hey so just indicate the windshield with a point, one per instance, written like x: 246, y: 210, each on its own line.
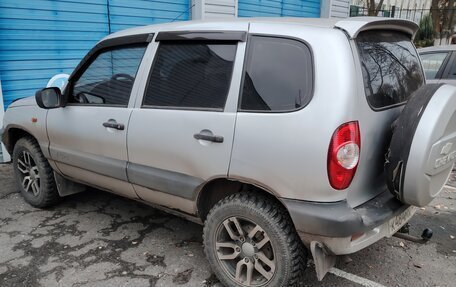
x: 391, y: 67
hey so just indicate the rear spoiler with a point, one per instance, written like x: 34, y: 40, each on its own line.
x: 355, y: 25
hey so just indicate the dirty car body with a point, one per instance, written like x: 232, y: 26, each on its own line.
x: 255, y: 109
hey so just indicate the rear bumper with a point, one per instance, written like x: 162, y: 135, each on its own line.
x: 333, y: 224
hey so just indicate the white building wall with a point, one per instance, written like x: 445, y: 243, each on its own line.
x: 335, y: 8
x: 340, y: 8
x: 214, y: 9
x: 4, y: 155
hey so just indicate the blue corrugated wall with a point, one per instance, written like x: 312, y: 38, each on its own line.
x: 281, y: 8
x: 41, y: 38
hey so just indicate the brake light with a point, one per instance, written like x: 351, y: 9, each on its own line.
x: 343, y: 155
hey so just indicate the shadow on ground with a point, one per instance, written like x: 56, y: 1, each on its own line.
x: 99, y: 239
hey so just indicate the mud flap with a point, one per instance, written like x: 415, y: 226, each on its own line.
x: 67, y: 187
x: 322, y: 259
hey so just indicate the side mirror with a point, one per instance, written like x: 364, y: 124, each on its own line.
x: 49, y: 98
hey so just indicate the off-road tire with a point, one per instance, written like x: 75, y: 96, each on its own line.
x: 275, y: 221
x: 48, y: 194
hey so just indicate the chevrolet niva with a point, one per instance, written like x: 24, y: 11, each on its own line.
x: 285, y: 137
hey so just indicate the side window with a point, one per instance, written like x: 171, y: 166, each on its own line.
x: 278, y: 75
x: 192, y: 75
x: 432, y: 63
x: 109, y: 78
x: 452, y: 69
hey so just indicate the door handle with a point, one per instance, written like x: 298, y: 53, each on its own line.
x: 114, y: 125
x: 206, y: 137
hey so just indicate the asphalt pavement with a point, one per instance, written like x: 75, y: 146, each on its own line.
x: 99, y: 239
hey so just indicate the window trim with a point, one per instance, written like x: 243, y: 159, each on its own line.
x: 176, y: 108
x: 358, y: 55
x: 244, y: 68
x: 239, y: 36
x: 441, y: 72
x: 103, y: 46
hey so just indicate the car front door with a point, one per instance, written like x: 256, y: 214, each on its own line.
x: 434, y: 65
x: 182, y: 132
x: 88, y: 136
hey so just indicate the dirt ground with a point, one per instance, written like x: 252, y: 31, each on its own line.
x: 99, y: 239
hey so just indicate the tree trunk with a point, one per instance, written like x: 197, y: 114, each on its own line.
x: 372, y: 9
x: 435, y: 14
x: 450, y: 17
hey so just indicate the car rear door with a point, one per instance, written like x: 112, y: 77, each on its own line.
x: 181, y: 134
x: 88, y: 137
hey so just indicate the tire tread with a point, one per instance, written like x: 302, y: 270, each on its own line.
x: 280, y: 217
x: 50, y: 193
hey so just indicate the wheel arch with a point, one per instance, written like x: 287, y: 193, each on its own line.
x: 12, y: 134
x: 216, y: 189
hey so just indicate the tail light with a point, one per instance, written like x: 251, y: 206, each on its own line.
x: 343, y: 155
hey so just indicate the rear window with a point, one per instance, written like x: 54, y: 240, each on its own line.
x: 390, y: 66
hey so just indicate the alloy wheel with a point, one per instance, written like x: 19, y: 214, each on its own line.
x: 28, y: 173
x: 245, y: 252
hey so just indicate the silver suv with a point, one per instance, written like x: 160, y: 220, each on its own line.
x: 281, y: 136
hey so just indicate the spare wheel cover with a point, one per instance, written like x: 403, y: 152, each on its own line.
x: 423, y: 146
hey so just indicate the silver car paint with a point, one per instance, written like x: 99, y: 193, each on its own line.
x: 19, y: 115
x: 434, y: 136
x: 79, y: 139
x: 260, y: 137
x: 353, y: 26
x: 163, y: 139
x: 375, y: 127
x: 297, y: 167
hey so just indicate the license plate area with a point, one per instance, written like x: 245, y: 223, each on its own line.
x: 398, y: 221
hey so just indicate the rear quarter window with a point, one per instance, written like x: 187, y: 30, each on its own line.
x: 278, y: 75
x: 390, y: 66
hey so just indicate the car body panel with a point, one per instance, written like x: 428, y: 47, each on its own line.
x: 268, y: 142
x: 164, y: 157
x: 25, y: 115
x: 79, y: 139
x: 158, y: 160
x: 355, y: 25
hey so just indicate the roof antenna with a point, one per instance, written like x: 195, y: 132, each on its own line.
x: 184, y: 12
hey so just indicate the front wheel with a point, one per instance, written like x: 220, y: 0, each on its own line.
x: 33, y: 174
x: 250, y: 240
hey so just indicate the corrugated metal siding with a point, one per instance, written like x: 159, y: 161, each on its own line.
x: 282, y: 8
x: 41, y: 38
x: 129, y: 13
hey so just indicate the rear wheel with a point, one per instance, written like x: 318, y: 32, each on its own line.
x: 251, y: 241
x: 33, y: 174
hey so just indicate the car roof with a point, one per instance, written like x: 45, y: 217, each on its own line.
x: 351, y: 26
x: 438, y: 49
